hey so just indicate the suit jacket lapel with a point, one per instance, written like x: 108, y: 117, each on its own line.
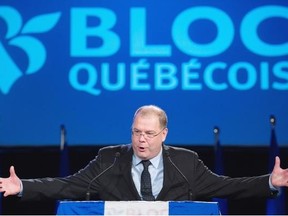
x: 168, y: 175
x: 125, y: 169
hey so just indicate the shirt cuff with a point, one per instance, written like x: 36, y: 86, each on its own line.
x: 272, y: 187
x: 21, y: 190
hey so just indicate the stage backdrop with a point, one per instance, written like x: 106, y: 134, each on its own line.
x: 89, y: 64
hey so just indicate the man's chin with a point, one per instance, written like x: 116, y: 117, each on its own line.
x: 143, y: 155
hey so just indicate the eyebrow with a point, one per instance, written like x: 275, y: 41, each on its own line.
x: 144, y: 131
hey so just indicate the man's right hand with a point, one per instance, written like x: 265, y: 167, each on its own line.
x: 10, y: 185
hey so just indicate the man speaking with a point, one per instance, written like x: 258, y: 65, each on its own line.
x: 146, y: 169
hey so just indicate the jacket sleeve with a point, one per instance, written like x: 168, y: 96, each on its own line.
x: 70, y: 187
x: 208, y: 184
x: 73, y: 187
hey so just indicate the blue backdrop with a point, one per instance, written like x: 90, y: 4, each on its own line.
x: 90, y: 64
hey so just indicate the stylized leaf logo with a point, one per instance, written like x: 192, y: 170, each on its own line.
x: 35, y: 50
x: 13, y: 20
x: 35, y: 25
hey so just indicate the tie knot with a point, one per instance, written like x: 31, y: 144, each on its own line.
x: 146, y: 163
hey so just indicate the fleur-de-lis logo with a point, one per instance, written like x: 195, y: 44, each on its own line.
x: 19, y: 35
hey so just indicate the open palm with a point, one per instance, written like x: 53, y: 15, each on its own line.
x: 279, y: 176
x: 10, y: 185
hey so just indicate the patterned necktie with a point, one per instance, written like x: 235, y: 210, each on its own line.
x: 146, y: 188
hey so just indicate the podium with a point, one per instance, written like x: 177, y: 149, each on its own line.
x: 137, y: 208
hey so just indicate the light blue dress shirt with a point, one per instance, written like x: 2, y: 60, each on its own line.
x: 155, y: 170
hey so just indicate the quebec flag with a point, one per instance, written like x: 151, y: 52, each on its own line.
x: 137, y: 208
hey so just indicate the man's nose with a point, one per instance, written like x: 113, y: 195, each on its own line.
x: 142, y: 137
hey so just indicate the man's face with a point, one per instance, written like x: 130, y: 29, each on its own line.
x: 147, y: 136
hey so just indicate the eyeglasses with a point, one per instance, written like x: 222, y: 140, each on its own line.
x: 146, y: 134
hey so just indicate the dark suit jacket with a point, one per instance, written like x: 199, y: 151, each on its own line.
x: 117, y: 184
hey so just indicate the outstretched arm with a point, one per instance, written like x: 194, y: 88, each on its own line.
x: 279, y: 176
x: 10, y: 185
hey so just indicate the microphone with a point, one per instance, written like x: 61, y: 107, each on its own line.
x: 117, y: 155
x: 190, y: 194
x: 62, y: 136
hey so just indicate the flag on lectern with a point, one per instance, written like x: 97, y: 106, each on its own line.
x: 219, y: 169
x: 274, y: 206
x: 64, y: 153
x: 137, y: 208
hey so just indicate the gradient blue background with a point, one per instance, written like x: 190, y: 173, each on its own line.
x: 36, y: 106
